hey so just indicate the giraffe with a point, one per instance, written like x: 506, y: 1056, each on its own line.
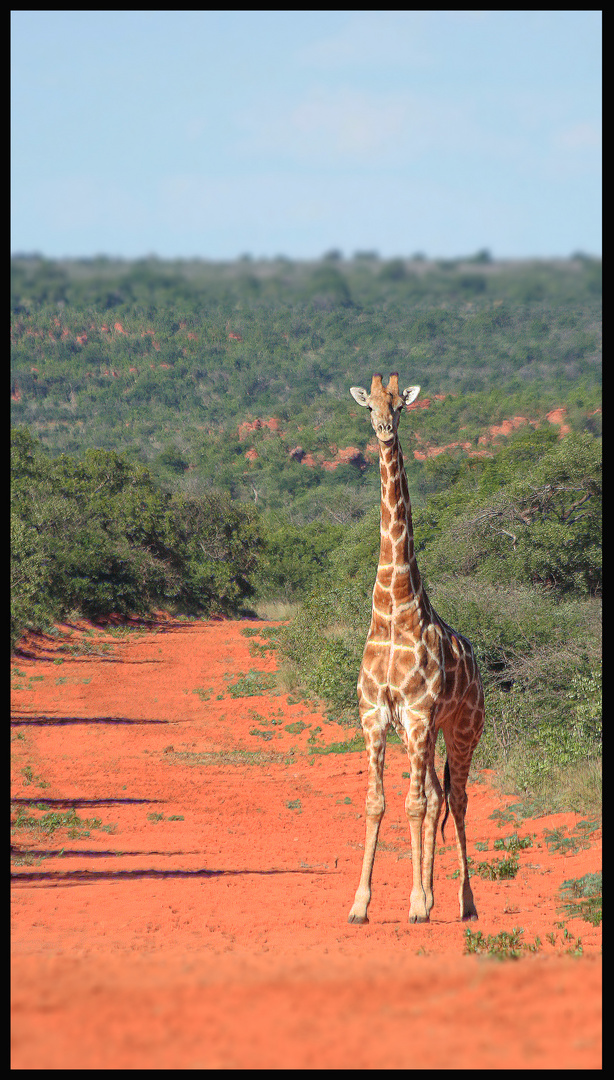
x: 417, y: 674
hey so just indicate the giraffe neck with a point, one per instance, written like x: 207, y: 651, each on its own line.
x: 398, y: 585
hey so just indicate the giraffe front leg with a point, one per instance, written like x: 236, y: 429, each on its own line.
x: 421, y: 896
x: 375, y: 742
x: 358, y: 911
x: 416, y: 810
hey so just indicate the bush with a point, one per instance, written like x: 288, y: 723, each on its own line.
x: 97, y: 537
x: 294, y: 559
x: 538, y: 522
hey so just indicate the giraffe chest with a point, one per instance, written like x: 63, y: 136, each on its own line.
x: 404, y: 669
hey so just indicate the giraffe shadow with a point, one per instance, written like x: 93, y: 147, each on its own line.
x: 40, y: 720
x: 86, y: 877
x: 35, y: 800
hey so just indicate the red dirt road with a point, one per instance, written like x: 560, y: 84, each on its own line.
x: 202, y: 922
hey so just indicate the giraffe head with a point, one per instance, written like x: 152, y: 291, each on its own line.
x: 385, y: 404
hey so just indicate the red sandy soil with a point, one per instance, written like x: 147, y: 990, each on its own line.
x: 207, y: 927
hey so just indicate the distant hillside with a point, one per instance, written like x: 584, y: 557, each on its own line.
x: 236, y: 375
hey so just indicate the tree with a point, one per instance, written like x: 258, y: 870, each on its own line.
x: 97, y: 536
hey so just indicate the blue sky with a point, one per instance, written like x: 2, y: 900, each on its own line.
x: 219, y: 133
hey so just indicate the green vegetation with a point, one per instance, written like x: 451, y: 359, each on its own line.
x: 513, y: 843
x: 584, y: 898
x: 250, y: 684
x: 164, y: 361
x: 579, y: 840
x: 509, y: 945
x: 97, y: 536
x: 498, y: 870
x: 52, y: 820
x: 505, y: 945
x: 184, y: 439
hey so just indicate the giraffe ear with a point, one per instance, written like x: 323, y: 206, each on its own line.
x: 410, y: 394
x: 359, y: 394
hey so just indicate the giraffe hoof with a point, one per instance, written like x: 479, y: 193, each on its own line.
x: 419, y: 918
x: 471, y: 917
x: 358, y: 919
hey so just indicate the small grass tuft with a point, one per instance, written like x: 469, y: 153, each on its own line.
x: 557, y: 841
x: 513, y: 843
x: 251, y: 684
x: 502, y: 946
x: 52, y: 820
x: 350, y: 747
x: 584, y: 898
x: 499, y: 870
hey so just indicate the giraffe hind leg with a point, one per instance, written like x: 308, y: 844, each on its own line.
x: 457, y: 767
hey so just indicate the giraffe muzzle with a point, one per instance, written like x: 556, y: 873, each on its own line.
x: 384, y: 430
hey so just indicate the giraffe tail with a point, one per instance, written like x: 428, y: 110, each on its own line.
x: 446, y: 795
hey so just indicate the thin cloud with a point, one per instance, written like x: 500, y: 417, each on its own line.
x: 579, y: 137
x: 347, y: 126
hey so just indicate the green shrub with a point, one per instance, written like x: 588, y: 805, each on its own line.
x: 96, y: 537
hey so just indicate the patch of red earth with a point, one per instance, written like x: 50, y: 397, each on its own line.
x: 207, y: 928
x: 349, y: 455
x: 434, y: 451
x: 303, y: 457
x: 557, y: 416
x: 273, y: 424
x: 506, y: 427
